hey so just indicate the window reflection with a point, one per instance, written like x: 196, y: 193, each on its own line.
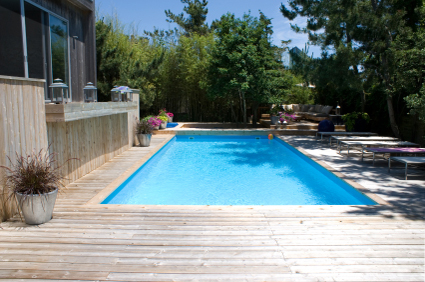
x: 59, y: 48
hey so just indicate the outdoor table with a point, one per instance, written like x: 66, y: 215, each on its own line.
x: 361, y: 138
x: 343, y: 133
x: 364, y: 144
x: 406, y: 161
x: 390, y: 151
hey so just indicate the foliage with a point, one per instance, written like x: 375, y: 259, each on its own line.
x: 243, y: 68
x: 276, y: 110
x: 144, y: 127
x: 125, y: 60
x: 195, y: 22
x: 351, y: 118
x: 409, y: 61
x: 285, y: 117
x: 163, y: 118
x: 360, y: 35
x: 34, y: 174
x: 153, y: 121
x: 416, y: 103
x: 163, y: 112
x: 175, y: 68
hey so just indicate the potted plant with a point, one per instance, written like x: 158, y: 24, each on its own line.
x: 275, y: 112
x: 356, y: 121
x: 144, y: 131
x: 164, y: 121
x: 284, y: 118
x: 153, y: 121
x: 34, y: 181
x: 170, y: 117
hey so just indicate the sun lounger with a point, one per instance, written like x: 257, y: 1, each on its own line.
x: 404, y: 151
x: 406, y: 161
x: 364, y: 144
x: 361, y: 138
x: 342, y: 133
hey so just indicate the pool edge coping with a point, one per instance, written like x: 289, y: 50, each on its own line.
x: 110, y: 188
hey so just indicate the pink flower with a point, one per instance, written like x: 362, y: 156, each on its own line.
x: 154, y: 122
x: 170, y: 114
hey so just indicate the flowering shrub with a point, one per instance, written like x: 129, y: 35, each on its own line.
x: 163, y: 112
x: 286, y: 117
x: 153, y: 121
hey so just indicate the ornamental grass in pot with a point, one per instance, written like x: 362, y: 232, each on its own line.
x: 34, y: 181
x: 144, y: 131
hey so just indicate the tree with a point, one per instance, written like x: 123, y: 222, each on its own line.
x: 409, y: 60
x: 197, y: 15
x: 243, y: 68
x: 363, y: 29
x: 126, y: 60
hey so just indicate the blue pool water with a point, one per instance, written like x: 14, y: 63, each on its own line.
x: 233, y: 170
x: 172, y: 124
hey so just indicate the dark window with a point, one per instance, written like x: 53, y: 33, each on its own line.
x: 11, y: 46
x: 35, y: 32
x: 59, y: 48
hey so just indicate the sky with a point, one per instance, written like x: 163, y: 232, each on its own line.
x: 147, y: 14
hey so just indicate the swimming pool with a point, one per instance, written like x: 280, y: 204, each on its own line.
x: 233, y: 170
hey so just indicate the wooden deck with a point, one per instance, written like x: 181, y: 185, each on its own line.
x: 211, y: 243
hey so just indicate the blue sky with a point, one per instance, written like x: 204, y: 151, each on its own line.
x: 147, y: 14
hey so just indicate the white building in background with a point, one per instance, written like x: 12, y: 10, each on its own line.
x: 287, y: 57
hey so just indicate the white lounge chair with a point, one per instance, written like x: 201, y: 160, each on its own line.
x: 407, y: 161
x: 400, y: 151
x: 342, y: 133
x: 361, y: 138
x: 364, y: 144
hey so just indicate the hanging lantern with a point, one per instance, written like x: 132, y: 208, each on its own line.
x: 90, y: 93
x: 115, y: 94
x: 60, y: 94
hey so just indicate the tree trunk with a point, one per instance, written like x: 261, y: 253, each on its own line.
x: 393, y: 123
x: 243, y: 105
x: 363, y: 100
x: 233, y: 113
x: 254, y: 113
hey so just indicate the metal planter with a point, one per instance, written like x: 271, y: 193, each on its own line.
x: 37, y: 209
x: 163, y: 125
x: 144, y: 139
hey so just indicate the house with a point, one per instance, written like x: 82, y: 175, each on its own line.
x: 44, y: 40
x: 287, y: 57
